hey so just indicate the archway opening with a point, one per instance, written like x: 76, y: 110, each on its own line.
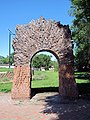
x: 44, y: 72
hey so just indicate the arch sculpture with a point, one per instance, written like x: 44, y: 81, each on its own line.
x: 43, y: 35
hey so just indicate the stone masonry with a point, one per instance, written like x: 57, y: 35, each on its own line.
x: 43, y: 35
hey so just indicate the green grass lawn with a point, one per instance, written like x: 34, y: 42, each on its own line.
x: 45, y: 79
x: 6, y: 69
x: 5, y: 87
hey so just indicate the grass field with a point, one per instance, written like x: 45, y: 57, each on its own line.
x: 5, y: 87
x: 45, y: 79
x: 6, y: 69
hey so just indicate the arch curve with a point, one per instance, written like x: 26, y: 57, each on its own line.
x: 46, y: 50
x: 43, y: 35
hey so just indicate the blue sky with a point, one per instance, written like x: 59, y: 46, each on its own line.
x: 13, y: 12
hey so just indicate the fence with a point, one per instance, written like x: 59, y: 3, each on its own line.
x: 6, y: 76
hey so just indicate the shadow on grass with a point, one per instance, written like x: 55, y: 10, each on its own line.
x: 73, y: 110
x: 84, y: 90
x: 85, y: 76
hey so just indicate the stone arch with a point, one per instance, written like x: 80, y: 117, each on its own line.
x: 37, y: 36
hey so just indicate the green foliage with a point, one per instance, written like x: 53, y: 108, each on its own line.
x: 55, y: 64
x: 82, y: 58
x: 80, y: 9
x: 1, y: 57
x: 12, y: 58
x: 5, y: 60
x: 41, y: 60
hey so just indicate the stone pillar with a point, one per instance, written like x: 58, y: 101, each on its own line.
x: 68, y: 88
x: 21, y: 82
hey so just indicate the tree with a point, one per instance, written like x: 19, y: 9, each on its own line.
x: 12, y: 58
x: 41, y: 60
x: 1, y: 59
x: 5, y: 60
x: 80, y: 28
x: 55, y: 64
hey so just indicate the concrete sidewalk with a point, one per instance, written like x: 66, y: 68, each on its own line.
x: 43, y: 106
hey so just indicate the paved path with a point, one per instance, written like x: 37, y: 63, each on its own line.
x: 43, y: 106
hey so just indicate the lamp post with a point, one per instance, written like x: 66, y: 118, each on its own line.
x: 10, y: 34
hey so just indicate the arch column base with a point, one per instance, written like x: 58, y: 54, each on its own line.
x: 21, y: 83
x: 68, y: 88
